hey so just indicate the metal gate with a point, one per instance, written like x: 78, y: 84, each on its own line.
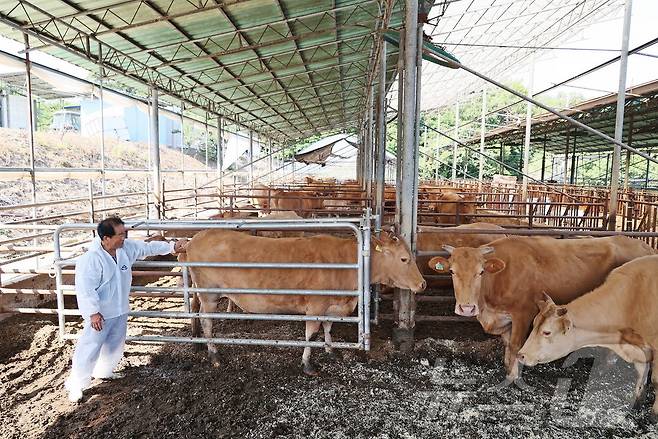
x: 359, y: 227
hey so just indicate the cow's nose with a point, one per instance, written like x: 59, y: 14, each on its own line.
x: 423, y: 285
x: 521, y: 358
x: 466, y: 310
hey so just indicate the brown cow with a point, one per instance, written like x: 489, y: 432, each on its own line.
x: 620, y: 315
x: 261, y: 197
x: 390, y: 263
x: 449, y: 206
x: 303, y: 203
x: 500, y: 282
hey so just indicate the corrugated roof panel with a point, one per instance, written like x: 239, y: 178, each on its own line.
x: 286, y: 70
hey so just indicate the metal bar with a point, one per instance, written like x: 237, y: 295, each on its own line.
x: 454, y: 144
x: 380, y: 166
x: 242, y: 341
x: 154, y: 129
x: 482, y: 130
x: 254, y: 291
x: 408, y: 193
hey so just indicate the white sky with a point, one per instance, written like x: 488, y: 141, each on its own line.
x: 554, y: 66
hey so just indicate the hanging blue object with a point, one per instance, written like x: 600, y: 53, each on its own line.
x: 430, y: 51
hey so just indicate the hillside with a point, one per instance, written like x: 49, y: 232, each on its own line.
x: 72, y: 150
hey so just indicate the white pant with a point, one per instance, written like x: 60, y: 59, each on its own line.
x: 97, y: 353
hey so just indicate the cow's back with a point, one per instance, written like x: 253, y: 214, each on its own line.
x: 563, y: 268
x: 230, y: 246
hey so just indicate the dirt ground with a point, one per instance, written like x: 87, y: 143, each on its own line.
x: 445, y: 388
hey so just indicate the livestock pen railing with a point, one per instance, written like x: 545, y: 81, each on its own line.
x: 360, y: 228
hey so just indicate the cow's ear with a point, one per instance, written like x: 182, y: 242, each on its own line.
x: 439, y: 264
x: 494, y: 265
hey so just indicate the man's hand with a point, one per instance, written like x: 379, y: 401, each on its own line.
x: 179, y: 246
x: 97, y: 321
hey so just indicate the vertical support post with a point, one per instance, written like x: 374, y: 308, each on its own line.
x: 438, y: 147
x: 400, y: 137
x: 371, y: 147
x: 565, y: 180
x: 220, y: 155
x: 572, y: 177
x: 528, y: 135
x: 90, y: 187
x: 155, y: 153
x: 270, y: 159
x: 482, y: 131
x: 147, y: 200
x: 205, y: 139
x: 619, y: 121
x: 380, y: 164
x: 196, y: 198
x: 30, y: 123
x: 359, y: 158
x: 182, y: 139
x: 251, y: 158
x: 646, y: 175
x: 454, y: 144
x: 403, y: 335
x: 628, y: 153
x: 101, y: 74
x: 543, y: 160
x: 163, y: 204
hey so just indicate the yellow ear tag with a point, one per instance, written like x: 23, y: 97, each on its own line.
x: 378, y: 248
x: 439, y: 266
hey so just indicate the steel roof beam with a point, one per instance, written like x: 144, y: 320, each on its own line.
x: 328, y: 104
x: 227, y: 50
x: 292, y: 76
x: 114, y: 60
x: 180, y: 30
x: 286, y: 105
x: 248, y: 40
x: 289, y: 55
x: 352, y: 79
x: 304, y: 61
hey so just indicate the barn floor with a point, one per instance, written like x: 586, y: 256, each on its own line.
x: 443, y: 389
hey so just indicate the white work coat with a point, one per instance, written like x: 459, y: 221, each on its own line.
x: 102, y: 285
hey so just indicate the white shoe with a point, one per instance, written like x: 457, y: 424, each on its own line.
x: 112, y: 376
x: 75, y: 395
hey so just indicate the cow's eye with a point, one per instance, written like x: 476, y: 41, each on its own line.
x: 481, y: 272
x: 546, y: 333
x: 404, y: 260
x: 452, y: 271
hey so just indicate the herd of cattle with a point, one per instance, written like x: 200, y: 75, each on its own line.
x: 545, y: 297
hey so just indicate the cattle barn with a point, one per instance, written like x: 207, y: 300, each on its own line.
x: 399, y: 218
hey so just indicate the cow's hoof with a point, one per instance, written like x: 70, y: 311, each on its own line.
x: 310, y: 370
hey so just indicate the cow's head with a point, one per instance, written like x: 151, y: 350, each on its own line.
x: 467, y: 266
x: 552, y: 335
x: 393, y: 264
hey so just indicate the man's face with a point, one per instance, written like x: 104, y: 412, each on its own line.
x: 116, y: 241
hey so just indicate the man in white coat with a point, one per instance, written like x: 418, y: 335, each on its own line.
x: 103, y: 277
